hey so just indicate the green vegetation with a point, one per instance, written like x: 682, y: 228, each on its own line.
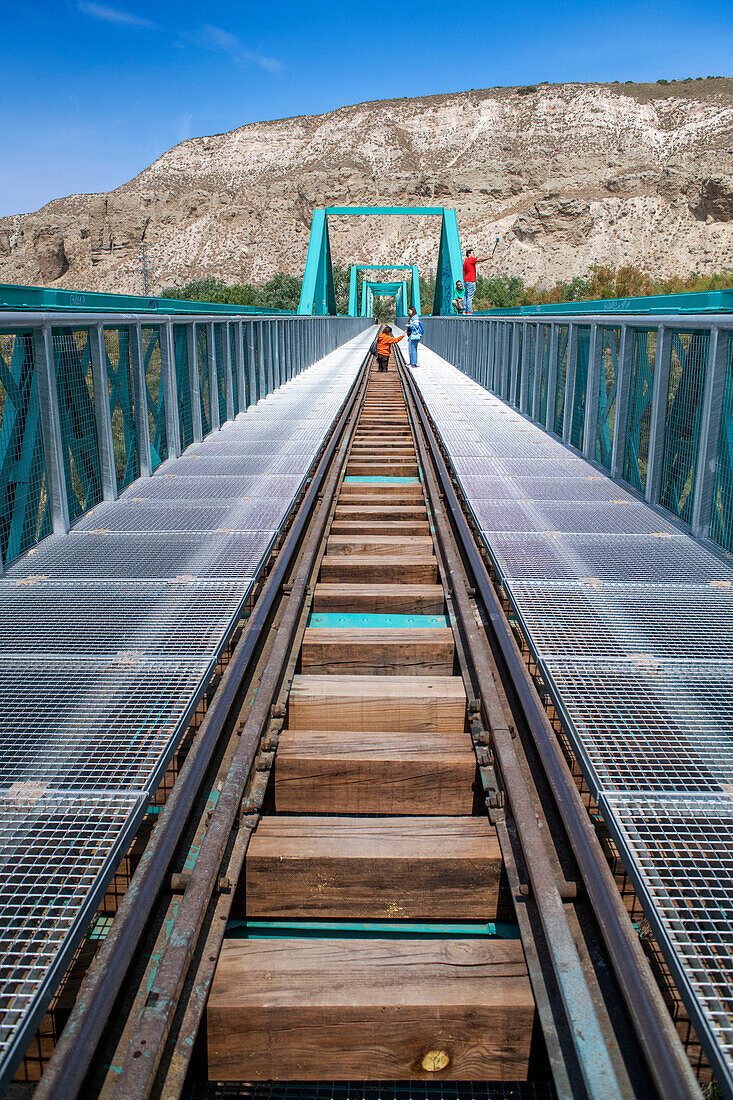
x: 492, y: 292
x: 280, y: 292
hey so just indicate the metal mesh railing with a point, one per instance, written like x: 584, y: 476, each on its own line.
x: 181, y: 335
x: 121, y: 405
x: 649, y: 399
x: 721, y: 519
x: 202, y: 365
x: 24, y: 511
x: 682, y: 427
x: 607, y: 394
x: 77, y: 420
x: 154, y: 395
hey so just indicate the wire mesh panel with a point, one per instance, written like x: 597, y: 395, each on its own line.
x: 221, y: 368
x: 610, y: 345
x: 545, y: 338
x: 560, y: 366
x: 721, y: 520
x: 183, y: 385
x: 202, y: 363
x: 577, y: 430
x: 530, y: 353
x: 121, y: 405
x: 78, y: 422
x: 682, y: 425
x: 57, y: 855
x: 154, y: 394
x: 24, y: 511
x: 644, y: 350
x: 233, y: 369
x: 519, y: 341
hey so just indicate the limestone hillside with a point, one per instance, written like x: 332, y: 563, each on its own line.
x: 565, y: 175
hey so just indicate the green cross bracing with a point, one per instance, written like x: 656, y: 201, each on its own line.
x: 318, y: 295
x: 353, y: 286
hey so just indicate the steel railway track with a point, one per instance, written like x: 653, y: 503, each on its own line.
x: 375, y: 863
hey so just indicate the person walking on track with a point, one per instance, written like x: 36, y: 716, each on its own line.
x: 469, y: 276
x: 385, y: 340
x: 415, y: 332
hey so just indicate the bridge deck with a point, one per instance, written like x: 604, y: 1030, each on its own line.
x: 136, y: 605
x: 630, y: 621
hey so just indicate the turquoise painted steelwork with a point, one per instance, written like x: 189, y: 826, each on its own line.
x: 241, y: 928
x: 24, y: 513
x: 380, y: 622
x: 374, y: 479
x: 414, y: 299
x: 318, y: 294
x: 45, y: 299
x: 647, y: 397
x: 712, y: 301
x: 154, y: 395
x: 371, y: 290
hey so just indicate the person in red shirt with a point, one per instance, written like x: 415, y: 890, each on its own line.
x: 469, y: 276
x: 385, y: 340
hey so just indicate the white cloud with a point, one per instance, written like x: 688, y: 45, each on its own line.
x: 114, y: 15
x: 216, y: 38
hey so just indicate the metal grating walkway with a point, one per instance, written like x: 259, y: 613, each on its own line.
x: 631, y: 622
x: 108, y: 637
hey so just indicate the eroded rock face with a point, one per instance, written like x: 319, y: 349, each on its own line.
x: 565, y: 177
x: 716, y: 200
x: 48, y: 247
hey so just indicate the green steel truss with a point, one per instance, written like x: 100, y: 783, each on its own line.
x: 318, y: 295
x: 414, y: 299
x: 371, y: 290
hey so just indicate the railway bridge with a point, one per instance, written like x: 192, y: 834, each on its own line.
x: 365, y: 734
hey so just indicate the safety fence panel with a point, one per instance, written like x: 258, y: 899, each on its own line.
x: 154, y: 395
x: 121, y: 405
x: 688, y: 357
x: 78, y: 423
x: 84, y: 406
x: 647, y: 398
x: 24, y: 512
x: 181, y: 336
x: 607, y: 394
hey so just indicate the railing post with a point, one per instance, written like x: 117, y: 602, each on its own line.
x: 169, y: 383
x: 214, y: 412
x: 539, y: 352
x: 140, y: 397
x: 193, y: 381
x: 239, y: 353
x: 102, y: 413
x: 226, y: 354
x: 660, y: 391
x: 492, y: 356
x: 552, y: 369
x: 570, y: 372
x: 623, y: 388
x: 593, y: 391
x: 51, y: 429
x: 712, y: 408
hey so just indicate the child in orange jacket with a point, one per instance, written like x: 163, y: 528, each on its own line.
x: 384, y: 346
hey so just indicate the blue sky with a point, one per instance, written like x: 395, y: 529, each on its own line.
x: 91, y: 93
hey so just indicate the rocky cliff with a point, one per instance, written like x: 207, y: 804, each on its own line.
x: 565, y: 175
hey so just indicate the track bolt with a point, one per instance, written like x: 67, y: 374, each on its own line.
x: 224, y: 885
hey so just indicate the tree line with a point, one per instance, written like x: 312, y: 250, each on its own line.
x: 282, y: 291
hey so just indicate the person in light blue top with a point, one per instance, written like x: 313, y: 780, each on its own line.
x: 415, y: 333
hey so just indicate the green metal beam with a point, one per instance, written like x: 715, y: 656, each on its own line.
x: 43, y: 299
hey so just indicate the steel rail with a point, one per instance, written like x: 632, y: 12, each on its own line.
x: 137, y: 1074
x: 668, y: 1064
x: 74, y: 1052
x: 600, y: 1076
